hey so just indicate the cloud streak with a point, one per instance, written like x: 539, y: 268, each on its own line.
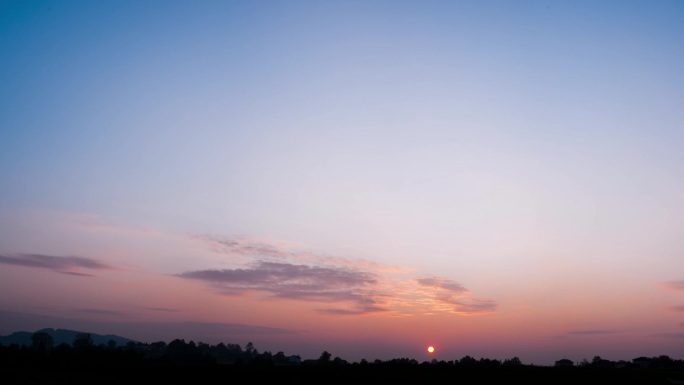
x: 257, y: 250
x: 589, y: 332
x: 55, y: 263
x: 470, y: 306
x: 298, y: 282
x: 442, y: 283
x: 162, y: 309
x: 101, y: 312
x: 452, y: 294
x: 75, y: 274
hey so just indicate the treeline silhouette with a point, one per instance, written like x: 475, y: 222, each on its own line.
x: 179, y: 361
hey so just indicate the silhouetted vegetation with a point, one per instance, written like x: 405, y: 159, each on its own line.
x: 180, y: 361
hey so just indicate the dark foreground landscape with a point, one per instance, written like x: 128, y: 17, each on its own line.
x: 83, y: 361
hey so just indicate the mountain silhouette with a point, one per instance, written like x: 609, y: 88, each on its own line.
x: 61, y: 336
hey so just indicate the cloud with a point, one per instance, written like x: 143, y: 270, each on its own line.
x: 258, y: 250
x: 452, y: 294
x: 442, y: 283
x: 674, y: 285
x: 58, y: 264
x: 163, y: 309
x: 77, y: 274
x: 284, y: 276
x: 368, y: 308
x: 286, y: 273
x: 298, y: 282
x: 101, y: 312
x: 357, y: 311
x: 240, y: 247
x: 470, y: 306
x: 590, y: 332
x: 679, y: 308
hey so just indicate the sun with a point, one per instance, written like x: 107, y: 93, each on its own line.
x: 431, y: 349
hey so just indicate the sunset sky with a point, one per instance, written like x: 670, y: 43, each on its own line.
x: 493, y: 178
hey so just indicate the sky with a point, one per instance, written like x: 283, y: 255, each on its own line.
x: 493, y: 178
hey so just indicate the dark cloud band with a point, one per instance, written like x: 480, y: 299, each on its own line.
x: 52, y: 262
x: 297, y: 282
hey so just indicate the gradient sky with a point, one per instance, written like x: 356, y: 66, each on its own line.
x: 495, y: 178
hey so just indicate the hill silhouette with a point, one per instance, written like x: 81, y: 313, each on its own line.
x: 61, y: 336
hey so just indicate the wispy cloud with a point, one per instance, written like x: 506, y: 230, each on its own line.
x: 470, y: 306
x: 364, y: 305
x: 297, y: 282
x: 57, y: 263
x: 101, y: 312
x: 76, y: 274
x: 590, y: 332
x: 357, y: 311
x: 679, y: 308
x: 219, y: 329
x: 442, y: 283
x: 453, y: 295
x: 241, y: 247
x: 252, y: 250
x: 162, y: 309
x: 674, y: 285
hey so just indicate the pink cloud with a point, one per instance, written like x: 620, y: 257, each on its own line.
x: 299, y: 275
x: 452, y: 294
x: 470, y: 306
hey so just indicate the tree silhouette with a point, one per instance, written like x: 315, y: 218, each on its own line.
x: 564, y: 363
x: 515, y: 361
x: 111, y: 344
x: 325, y: 358
x: 83, y: 341
x: 467, y: 361
x: 42, y: 342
